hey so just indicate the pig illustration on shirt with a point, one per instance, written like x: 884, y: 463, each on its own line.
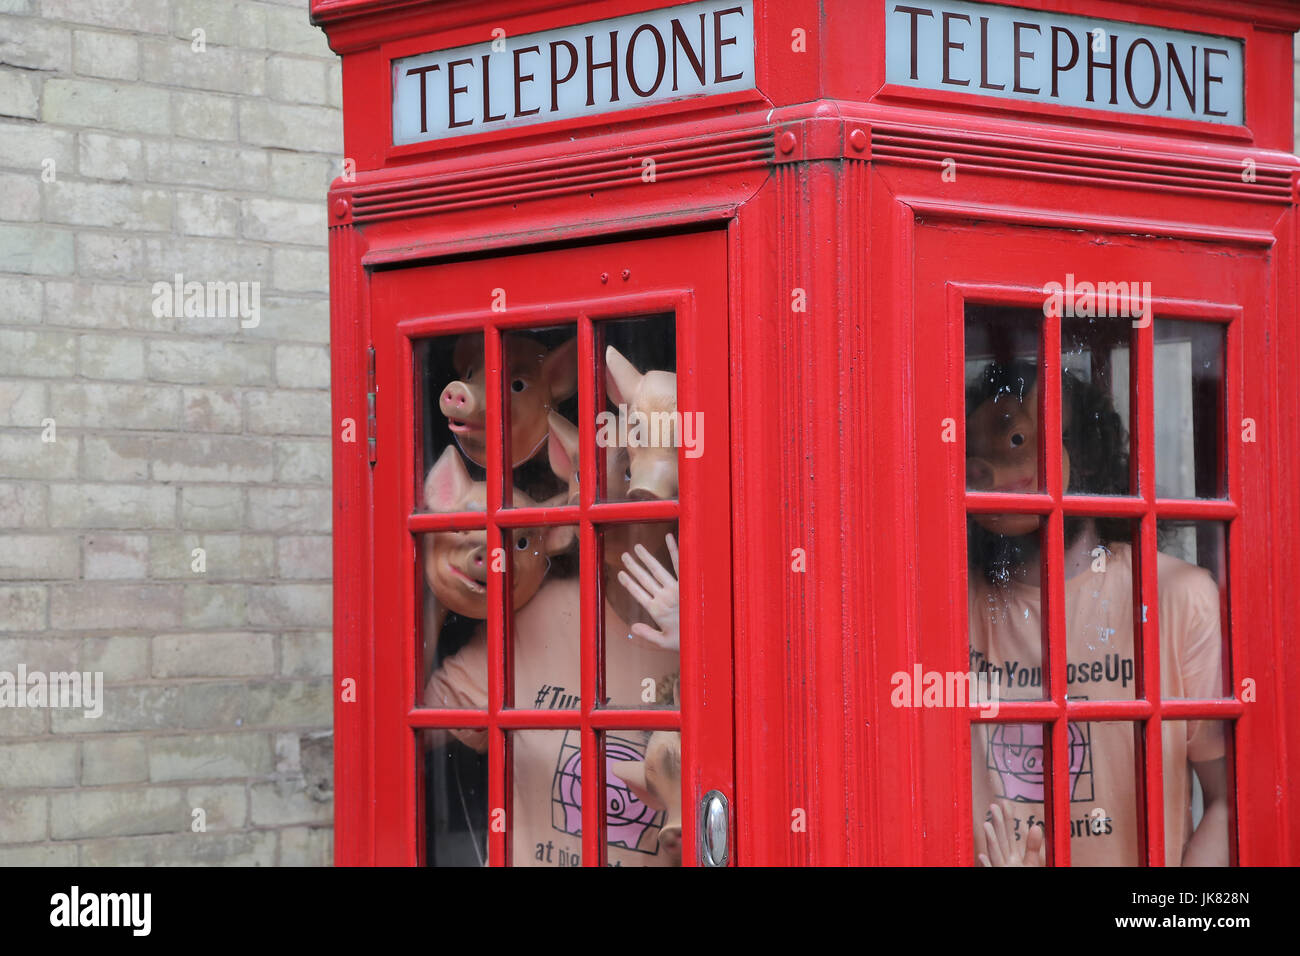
x: 538, y: 379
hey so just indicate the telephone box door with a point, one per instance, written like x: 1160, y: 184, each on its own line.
x: 552, y: 620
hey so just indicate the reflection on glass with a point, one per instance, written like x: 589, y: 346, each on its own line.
x: 1094, y: 406
x: 1009, y: 767
x: 1004, y: 603
x: 455, y: 798
x: 1196, y: 802
x: 640, y: 429
x: 642, y: 615
x: 643, y: 807
x: 1193, y: 618
x: 1189, y: 409
x: 546, y: 628
x: 1002, y: 427
x: 1100, y: 574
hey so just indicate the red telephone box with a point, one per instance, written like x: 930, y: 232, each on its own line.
x: 985, y: 320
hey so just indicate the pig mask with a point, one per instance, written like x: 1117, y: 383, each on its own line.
x: 538, y: 380
x: 457, y: 563
x: 652, y: 471
x: 1002, y: 455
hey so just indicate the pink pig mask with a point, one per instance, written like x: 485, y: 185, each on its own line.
x: 457, y: 563
x: 657, y: 782
x: 538, y: 379
x: 652, y: 396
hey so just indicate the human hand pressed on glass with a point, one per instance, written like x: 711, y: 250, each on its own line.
x: 1002, y: 844
x: 655, y: 588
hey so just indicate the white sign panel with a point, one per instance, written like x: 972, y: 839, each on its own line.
x: 1063, y: 59
x: 695, y: 49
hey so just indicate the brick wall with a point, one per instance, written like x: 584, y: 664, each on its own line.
x: 127, y: 156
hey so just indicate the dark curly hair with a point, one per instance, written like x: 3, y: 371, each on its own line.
x: 1098, y: 445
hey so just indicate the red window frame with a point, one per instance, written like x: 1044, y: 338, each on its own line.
x: 582, y: 285
x: 960, y: 263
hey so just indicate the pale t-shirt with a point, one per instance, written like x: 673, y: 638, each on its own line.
x: 546, y: 764
x: 1007, y: 759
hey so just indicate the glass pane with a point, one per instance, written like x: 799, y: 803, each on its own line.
x: 546, y: 797
x: 1100, y: 578
x: 1189, y: 409
x: 1104, y: 827
x: 455, y: 776
x: 643, y: 806
x: 640, y: 428
x: 1008, y: 774
x: 1196, y: 803
x: 546, y: 622
x: 451, y: 408
x: 542, y: 381
x: 1193, y: 618
x: 1094, y: 405
x: 1004, y: 603
x: 642, y: 620
x: 1002, y: 427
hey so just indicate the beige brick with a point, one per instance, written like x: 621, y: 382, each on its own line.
x: 308, y: 461
x: 112, y: 506
x: 211, y: 410
x: 307, y: 654
x: 303, y: 175
x: 22, y: 608
x: 126, y: 708
x: 215, y: 605
x: 212, y: 458
x: 35, y: 45
x: 223, y: 69
x: 114, y: 758
x: 48, y: 854
x: 20, y: 197
x: 290, y: 31
x: 115, y: 556
x: 109, y: 205
x: 123, y: 407
x: 24, y: 722
x: 290, y: 605
x: 24, y: 352
x: 98, y: 813
x: 23, y: 505
x: 38, y: 557
x: 279, y: 220
x: 114, y: 56
x: 317, y: 129
x: 210, y: 363
x: 209, y: 757
x: 204, y: 115
x: 225, y: 807
x: 110, y: 356
x: 96, y: 605
x: 136, y: 16
x: 302, y: 366
x: 278, y: 803
x: 227, y: 557
x: 289, y: 509
x: 217, y: 707
x: 103, y: 306
x: 24, y: 146
x: 22, y: 403
x: 35, y: 250
x: 300, y: 270
x: 26, y: 456
x: 212, y: 508
x: 213, y: 655
x: 304, y: 557
x: 29, y: 766
x: 20, y: 93
x: 104, y: 156
x: 298, y: 80
x: 206, y: 214
x: 284, y: 412
x: 239, y: 848
x: 118, y: 658
x: 306, y: 846
x: 206, y: 164
x: 116, y: 457
x: 293, y: 320
x: 119, y: 106
x: 232, y: 23
x: 334, y: 86
x: 23, y: 298
x: 39, y: 653
x: 23, y: 817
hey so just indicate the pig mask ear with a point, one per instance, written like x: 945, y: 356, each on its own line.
x: 621, y: 377
x: 448, y: 482
x: 560, y: 370
x: 562, y: 447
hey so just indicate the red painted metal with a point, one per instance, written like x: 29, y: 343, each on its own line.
x: 827, y: 180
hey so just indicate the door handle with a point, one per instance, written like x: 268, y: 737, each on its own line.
x: 713, y: 829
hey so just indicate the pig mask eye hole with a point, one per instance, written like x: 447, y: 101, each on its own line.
x: 522, y: 543
x: 1017, y: 440
x: 518, y: 385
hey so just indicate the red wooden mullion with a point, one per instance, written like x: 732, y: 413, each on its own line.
x: 498, y: 591
x: 589, y: 571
